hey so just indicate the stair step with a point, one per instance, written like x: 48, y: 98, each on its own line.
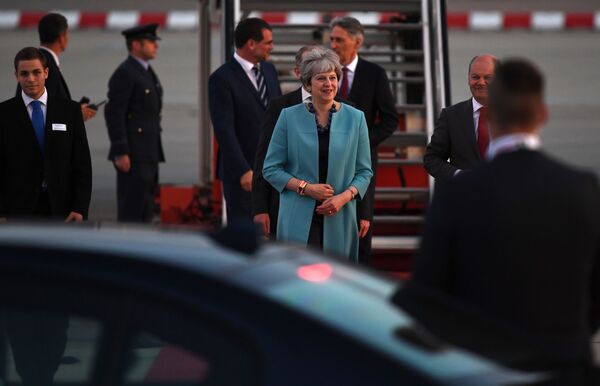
x: 400, y: 194
x: 364, y: 53
x: 410, y: 107
x: 401, y: 161
x: 398, y: 219
x: 407, y: 79
x: 400, y: 243
x: 404, y: 139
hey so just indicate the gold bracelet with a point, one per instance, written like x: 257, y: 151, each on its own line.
x: 301, y: 187
x: 352, y: 193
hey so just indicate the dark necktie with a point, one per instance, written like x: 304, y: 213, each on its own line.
x: 261, y: 87
x: 344, y: 88
x: 37, y: 120
x: 483, y: 134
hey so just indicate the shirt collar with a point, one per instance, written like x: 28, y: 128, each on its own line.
x: 246, y: 65
x: 27, y: 100
x: 143, y: 62
x: 352, y: 65
x: 53, y: 55
x: 476, y: 105
x: 306, y: 96
x: 512, y: 142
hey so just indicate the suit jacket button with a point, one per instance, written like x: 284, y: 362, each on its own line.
x: 139, y: 130
x: 147, y: 91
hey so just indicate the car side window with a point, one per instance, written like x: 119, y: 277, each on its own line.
x: 155, y: 361
x: 170, y: 346
x: 46, y: 348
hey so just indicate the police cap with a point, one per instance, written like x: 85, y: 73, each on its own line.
x: 144, y: 31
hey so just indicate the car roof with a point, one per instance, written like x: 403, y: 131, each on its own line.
x: 354, y: 301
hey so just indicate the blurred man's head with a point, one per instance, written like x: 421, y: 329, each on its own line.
x: 346, y: 38
x: 54, y: 32
x: 516, y: 100
x: 300, y: 56
x: 31, y: 71
x: 254, y: 39
x: 481, y: 73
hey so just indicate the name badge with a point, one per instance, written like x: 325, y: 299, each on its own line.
x: 59, y: 127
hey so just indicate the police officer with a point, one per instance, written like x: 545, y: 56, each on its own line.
x: 133, y: 120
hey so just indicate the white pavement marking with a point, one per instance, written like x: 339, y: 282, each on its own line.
x: 548, y: 21
x: 122, y: 19
x: 303, y: 18
x: 182, y: 20
x: 366, y: 18
x: 485, y: 21
x: 9, y: 19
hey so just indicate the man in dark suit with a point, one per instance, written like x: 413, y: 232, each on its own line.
x: 518, y: 238
x: 46, y: 173
x: 265, y: 199
x: 461, y: 135
x: 367, y: 86
x: 238, y: 93
x: 133, y: 115
x: 53, y: 31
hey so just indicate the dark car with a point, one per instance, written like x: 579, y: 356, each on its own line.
x: 122, y: 306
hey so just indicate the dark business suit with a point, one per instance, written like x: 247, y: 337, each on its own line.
x: 236, y: 113
x: 38, y: 339
x: 518, y: 238
x: 453, y: 144
x: 55, y: 83
x: 133, y: 115
x: 371, y: 93
x: 65, y: 167
x: 265, y: 199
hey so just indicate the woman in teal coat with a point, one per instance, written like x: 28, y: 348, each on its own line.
x: 319, y: 160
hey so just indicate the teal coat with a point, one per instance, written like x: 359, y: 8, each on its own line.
x: 294, y: 152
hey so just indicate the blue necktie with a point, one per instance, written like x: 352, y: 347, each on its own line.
x: 37, y: 119
x: 261, y: 86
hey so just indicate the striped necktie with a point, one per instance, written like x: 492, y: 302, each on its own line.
x: 261, y: 87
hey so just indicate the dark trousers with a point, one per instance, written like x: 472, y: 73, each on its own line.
x: 136, y: 191
x: 38, y: 341
x: 315, y: 234
x: 238, y: 201
x: 364, y: 244
x: 42, y: 208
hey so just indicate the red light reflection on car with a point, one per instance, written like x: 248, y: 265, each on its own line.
x: 317, y: 273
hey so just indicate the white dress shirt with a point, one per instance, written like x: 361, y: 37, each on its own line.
x: 247, y: 66
x: 53, y: 55
x: 143, y: 62
x: 351, y: 70
x: 306, y: 96
x: 476, y: 112
x: 512, y: 142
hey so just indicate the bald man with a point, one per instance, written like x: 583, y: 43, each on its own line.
x: 461, y: 136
